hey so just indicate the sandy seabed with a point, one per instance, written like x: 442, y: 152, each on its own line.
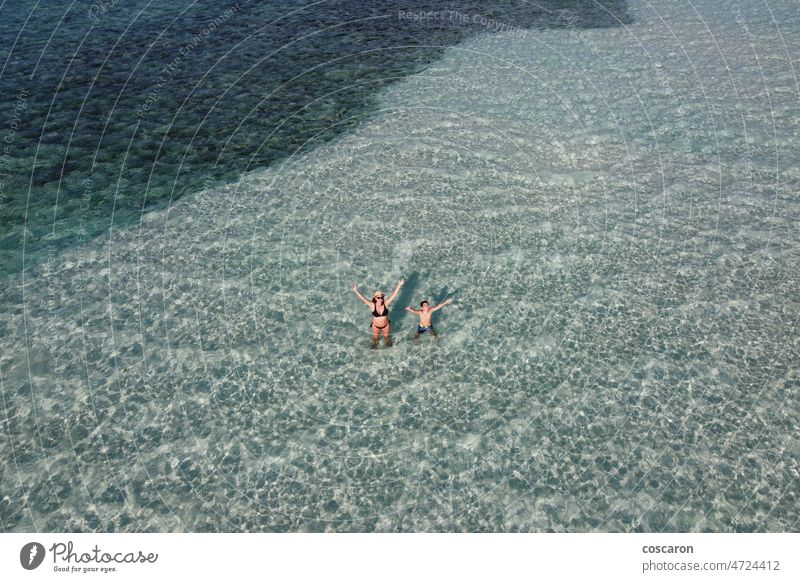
x: 616, y: 212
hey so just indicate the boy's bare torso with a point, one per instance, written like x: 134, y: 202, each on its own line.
x: 424, y: 317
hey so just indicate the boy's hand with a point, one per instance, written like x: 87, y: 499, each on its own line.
x: 354, y: 287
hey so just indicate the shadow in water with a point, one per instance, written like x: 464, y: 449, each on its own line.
x: 404, y: 297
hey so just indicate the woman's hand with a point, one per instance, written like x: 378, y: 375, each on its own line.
x: 401, y: 282
x: 354, y: 288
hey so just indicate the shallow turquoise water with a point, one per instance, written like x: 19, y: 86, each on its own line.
x: 615, y: 212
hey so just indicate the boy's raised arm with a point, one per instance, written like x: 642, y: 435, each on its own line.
x: 442, y: 304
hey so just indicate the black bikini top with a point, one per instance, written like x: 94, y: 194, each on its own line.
x: 376, y: 314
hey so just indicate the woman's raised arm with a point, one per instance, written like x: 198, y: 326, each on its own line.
x: 400, y: 283
x: 366, y: 301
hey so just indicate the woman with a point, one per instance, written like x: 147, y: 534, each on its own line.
x: 380, y: 313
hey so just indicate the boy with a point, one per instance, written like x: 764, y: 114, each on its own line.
x: 424, y: 313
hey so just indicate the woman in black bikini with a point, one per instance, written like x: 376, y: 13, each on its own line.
x: 380, y: 313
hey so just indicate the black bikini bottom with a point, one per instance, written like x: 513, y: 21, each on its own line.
x: 388, y: 321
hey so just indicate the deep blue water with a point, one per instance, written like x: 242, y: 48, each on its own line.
x: 111, y: 108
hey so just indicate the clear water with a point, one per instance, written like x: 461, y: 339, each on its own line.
x: 120, y: 107
x: 615, y: 211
